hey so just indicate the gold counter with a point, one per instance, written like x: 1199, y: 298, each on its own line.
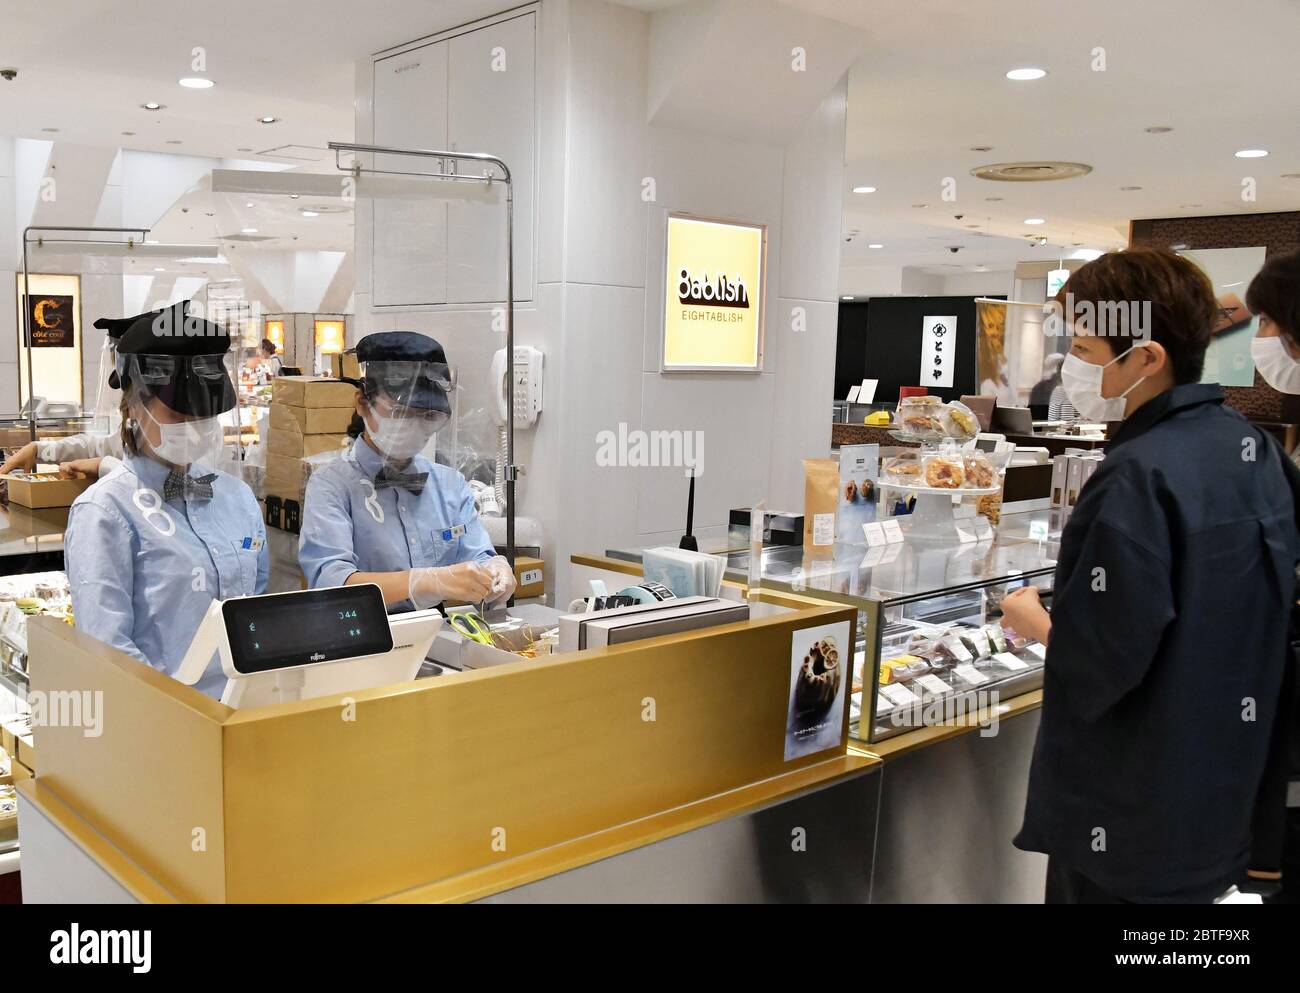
x: 445, y: 789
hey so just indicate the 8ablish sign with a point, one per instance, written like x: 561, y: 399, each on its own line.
x: 713, y: 307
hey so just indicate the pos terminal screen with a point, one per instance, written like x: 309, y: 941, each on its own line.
x: 285, y: 630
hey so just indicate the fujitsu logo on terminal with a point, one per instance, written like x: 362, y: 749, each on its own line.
x: 318, y: 657
x: 721, y: 291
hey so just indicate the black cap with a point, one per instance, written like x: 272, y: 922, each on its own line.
x: 427, y: 362
x: 174, y: 333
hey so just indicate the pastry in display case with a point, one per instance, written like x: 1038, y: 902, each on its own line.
x: 38, y: 593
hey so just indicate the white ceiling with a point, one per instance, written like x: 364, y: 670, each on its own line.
x: 931, y: 86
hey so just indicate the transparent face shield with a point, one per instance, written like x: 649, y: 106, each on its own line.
x: 406, y: 407
x: 183, y: 414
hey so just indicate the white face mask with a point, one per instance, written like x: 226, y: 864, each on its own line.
x: 1082, y: 384
x: 402, y: 437
x: 1275, y: 364
x: 188, y: 441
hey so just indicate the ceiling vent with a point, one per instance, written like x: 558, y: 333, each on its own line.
x: 1031, y: 172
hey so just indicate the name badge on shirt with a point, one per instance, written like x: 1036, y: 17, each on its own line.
x: 449, y: 533
x: 251, y: 544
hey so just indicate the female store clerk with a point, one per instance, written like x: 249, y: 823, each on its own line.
x: 383, y: 513
x: 151, y: 544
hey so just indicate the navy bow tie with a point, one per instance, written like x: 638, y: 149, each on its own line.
x: 391, y: 479
x: 182, y: 487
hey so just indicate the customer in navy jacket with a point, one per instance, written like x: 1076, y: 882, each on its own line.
x: 1168, y: 633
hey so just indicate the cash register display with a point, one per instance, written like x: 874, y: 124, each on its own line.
x: 281, y: 631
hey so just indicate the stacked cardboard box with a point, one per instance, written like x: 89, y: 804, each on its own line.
x: 309, y: 416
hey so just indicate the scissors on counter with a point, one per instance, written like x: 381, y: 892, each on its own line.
x: 472, y: 626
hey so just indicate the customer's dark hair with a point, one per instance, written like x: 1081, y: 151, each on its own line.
x: 268, y: 345
x: 1275, y: 291
x: 1183, y: 310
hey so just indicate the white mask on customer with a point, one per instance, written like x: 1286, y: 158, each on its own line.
x: 187, y: 441
x: 1275, y: 364
x: 1082, y: 384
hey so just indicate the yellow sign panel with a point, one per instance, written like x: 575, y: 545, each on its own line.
x: 275, y: 335
x: 713, y: 308
x: 329, y: 337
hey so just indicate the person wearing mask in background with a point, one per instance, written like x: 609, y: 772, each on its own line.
x: 383, y: 513
x: 1041, y: 394
x: 1167, y: 642
x: 1274, y: 297
x: 151, y: 544
x: 77, y: 455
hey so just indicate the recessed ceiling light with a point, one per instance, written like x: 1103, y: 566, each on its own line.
x: 248, y: 230
x: 981, y: 148
x: 1252, y: 153
x: 846, y: 298
x: 1157, y: 129
x: 196, y: 82
x: 1130, y: 189
x: 876, y: 246
x: 267, y: 120
x: 1027, y: 72
x: 1034, y: 220
x: 159, y: 268
x: 1042, y: 241
x: 153, y: 105
x: 981, y: 268
x: 293, y: 196
x: 310, y: 213
x: 864, y: 189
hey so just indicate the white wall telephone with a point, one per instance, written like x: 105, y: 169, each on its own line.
x: 526, y: 397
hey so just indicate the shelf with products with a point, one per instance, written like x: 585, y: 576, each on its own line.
x: 21, y: 597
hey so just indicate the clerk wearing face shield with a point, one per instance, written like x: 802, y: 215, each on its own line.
x: 383, y: 513
x: 152, y: 543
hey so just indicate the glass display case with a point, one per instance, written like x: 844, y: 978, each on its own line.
x: 929, y: 642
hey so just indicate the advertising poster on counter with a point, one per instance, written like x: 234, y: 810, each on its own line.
x: 713, y: 307
x: 859, y: 468
x: 819, y: 678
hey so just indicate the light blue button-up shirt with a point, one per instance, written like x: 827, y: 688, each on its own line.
x: 348, y: 526
x: 143, y: 571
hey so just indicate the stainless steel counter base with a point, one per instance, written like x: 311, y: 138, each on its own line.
x: 948, y: 812
x: 750, y: 859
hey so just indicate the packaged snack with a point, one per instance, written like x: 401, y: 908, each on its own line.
x: 959, y: 421
x: 920, y: 416
x: 903, y: 468
x: 943, y: 472
x: 820, y: 498
x: 979, y: 471
x: 897, y: 670
x: 996, y: 637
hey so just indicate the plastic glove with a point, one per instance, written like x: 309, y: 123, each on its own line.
x: 466, y: 581
x: 503, y: 578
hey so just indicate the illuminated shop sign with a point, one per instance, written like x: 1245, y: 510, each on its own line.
x: 713, y: 307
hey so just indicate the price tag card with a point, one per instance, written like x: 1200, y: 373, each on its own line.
x: 874, y: 532
x: 1010, y: 661
x: 1038, y: 531
x: 883, y: 706
x: 900, y: 696
x: 969, y: 674
x: 934, y: 684
x: 1038, y: 650
x: 960, y: 652
x: 983, y: 529
x: 853, y: 393
x: 893, y: 531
